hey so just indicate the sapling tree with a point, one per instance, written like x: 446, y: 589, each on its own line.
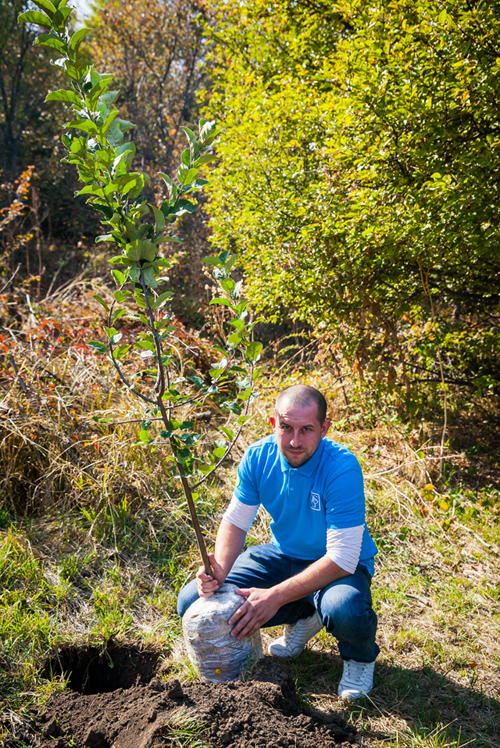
x: 141, y: 343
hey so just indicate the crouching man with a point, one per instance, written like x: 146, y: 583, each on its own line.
x: 317, y: 570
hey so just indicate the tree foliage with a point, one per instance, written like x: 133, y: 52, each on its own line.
x: 359, y: 176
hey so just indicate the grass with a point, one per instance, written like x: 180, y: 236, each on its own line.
x: 183, y: 730
x: 95, y: 544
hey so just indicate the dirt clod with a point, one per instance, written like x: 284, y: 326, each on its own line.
x: 263, y: 711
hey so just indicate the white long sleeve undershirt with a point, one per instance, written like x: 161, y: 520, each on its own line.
x: 343, y: 546
x: 240, y: 514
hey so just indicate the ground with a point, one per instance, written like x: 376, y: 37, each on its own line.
x: 157, y: 712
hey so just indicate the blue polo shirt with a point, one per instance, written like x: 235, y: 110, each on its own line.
x: 326, y: 492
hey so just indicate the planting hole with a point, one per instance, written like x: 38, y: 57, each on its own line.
x: 90, y: 671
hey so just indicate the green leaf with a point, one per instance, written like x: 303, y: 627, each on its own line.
x: 184, y: 206
x: 188, y: 176
x: 98, y: 346
x: 117, y: 259
x: 148, y: 250
x: 109, y: 121
x: 62, y: 95
x: 101, y: 302
x: 119, y: 313
x: 190, y: 135
x: 95, y: 93
x: 245, y: 394
x: 229, y: 263
x: 253, y: 351
x: 144, y: 436
x: 118, y: 276
x: 183, y: 454
x: 77, y: 39
x: 204, y: 468
x: 205, y: 159
x: 121, y: 351
x: 206, y: 129
x: 85, y: 125
x: 133, y: 251
x: 34, y: 16
x: 198, y: 184
x: 140, y: 300
x: 213, y: 260
x: 224, y: 302
x: 228, y: 284
x: 46, y: 6
x: 109, y: 97
x: 48, y: 40
x: 60, y: 17
x: 233, y: 407
x: 90, y: 189
x: 159, y: 218
x: 162, y: 298
x: 104, y: 209
x: 148, y: 345
x: 198, y: 381
x: 172, y: 189
x: 164, y: 239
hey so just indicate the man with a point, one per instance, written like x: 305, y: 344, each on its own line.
x: 317, y: 570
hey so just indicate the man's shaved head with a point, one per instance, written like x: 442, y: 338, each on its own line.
x: 301, y: 396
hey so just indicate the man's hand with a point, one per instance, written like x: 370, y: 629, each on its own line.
x: 207, y: 585
x: 259, y: 607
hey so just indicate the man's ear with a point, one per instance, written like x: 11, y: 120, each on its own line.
x: 325, y: 428
x: 273, y: 421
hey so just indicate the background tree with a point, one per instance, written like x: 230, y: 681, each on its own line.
x: 21, y: 71
x: 362, y: 160
x: 27, y: 129
x: 157, y: 50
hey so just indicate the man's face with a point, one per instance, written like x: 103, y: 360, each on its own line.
x: 298, y: 432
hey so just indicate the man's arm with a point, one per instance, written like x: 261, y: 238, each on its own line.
x: 261, y: 604
x: 228, y: 546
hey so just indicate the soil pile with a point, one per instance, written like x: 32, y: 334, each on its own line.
x: 264, y: 711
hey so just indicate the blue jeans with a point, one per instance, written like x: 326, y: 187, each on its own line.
x: 345, y: 606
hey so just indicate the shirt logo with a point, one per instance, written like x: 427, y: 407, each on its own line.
x: 315, y: 501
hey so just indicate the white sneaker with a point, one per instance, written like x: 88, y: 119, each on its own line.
x: 357, y: 680
x: 296, y: 637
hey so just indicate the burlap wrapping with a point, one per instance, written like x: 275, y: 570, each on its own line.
x: 216, y: 655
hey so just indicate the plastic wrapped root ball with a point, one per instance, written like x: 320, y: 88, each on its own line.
x: 216, y: 655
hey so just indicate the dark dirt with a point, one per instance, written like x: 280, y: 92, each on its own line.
x: 154, y: 713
